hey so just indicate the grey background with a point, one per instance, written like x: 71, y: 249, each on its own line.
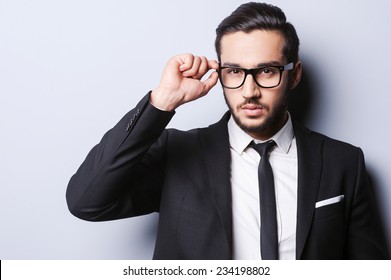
x: 70, y: 69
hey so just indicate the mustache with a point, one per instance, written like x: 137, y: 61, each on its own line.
x: 253, y: 103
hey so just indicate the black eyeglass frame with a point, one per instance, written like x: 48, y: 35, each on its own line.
x: 254, y: 72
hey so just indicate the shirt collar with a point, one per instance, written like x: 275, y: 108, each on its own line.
x: 239, y: 140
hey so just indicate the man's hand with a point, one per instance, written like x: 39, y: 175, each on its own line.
x: 181, y: 81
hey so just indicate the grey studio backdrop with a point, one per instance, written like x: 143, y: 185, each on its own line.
x: 70, y: 69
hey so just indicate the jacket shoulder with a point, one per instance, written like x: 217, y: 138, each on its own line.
x: 330, y: 146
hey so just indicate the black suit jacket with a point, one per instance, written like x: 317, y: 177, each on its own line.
x: 141, y: 167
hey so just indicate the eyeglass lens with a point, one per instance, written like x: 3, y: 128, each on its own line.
x: 265, y: 76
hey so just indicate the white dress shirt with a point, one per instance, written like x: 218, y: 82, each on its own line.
x: 245, y: 192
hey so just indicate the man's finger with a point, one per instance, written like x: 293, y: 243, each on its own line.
x: 210, y: 82
x: 213, y: 64
x: 194, y: 69
x: 185, y: 61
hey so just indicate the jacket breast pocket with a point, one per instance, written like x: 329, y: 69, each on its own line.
x: 330, y: 210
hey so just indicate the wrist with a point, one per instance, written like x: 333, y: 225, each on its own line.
x: 162, y: 100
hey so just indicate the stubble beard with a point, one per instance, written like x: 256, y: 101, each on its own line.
x: 272, y: 123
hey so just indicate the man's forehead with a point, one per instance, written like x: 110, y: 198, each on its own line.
x: 257, y: 36
x: 252, y: 50
x: 256, y: 47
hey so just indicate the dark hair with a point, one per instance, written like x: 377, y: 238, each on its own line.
x: 260, y: 16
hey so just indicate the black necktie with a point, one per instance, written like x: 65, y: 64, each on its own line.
x: 267, y: 200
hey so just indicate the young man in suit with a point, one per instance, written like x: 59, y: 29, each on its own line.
x: 211, y: 186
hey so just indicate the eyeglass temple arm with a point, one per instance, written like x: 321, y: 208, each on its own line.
x: 289, y: 66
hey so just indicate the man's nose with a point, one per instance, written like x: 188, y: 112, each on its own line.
x: 250, y: 89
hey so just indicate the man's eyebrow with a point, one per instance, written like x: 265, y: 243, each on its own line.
x: 263, y: 64
x: 270, y: 63
x: 230, y: 64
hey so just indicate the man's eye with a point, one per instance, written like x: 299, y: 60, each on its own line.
x: 268, y: 71
x: 234, y: 71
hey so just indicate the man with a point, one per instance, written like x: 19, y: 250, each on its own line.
x: 212, y: 186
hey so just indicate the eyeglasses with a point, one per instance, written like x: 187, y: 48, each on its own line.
x: 265, y: 77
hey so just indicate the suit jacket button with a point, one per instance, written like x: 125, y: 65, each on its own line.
x: 132, y: 120
x: 129, y: 125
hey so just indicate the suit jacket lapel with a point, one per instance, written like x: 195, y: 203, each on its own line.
x: 309, y: 152
x: 215, y: 145
x: 216, y: 149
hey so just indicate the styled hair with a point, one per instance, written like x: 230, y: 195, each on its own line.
x: 260, y: 16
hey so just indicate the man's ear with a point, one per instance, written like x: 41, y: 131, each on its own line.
x: 296, y: 75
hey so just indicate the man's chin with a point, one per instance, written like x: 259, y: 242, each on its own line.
x: 252, y: 125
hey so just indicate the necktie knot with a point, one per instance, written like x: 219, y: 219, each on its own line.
x: 263, y: 148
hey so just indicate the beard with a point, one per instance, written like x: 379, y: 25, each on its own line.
x: 274, y: 120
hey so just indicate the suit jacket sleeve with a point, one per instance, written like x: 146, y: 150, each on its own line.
x: 121, y: 176
x: 366, y: 237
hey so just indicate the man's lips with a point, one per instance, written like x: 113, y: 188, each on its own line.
x: 252, y: 110
x: 252, y: 107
